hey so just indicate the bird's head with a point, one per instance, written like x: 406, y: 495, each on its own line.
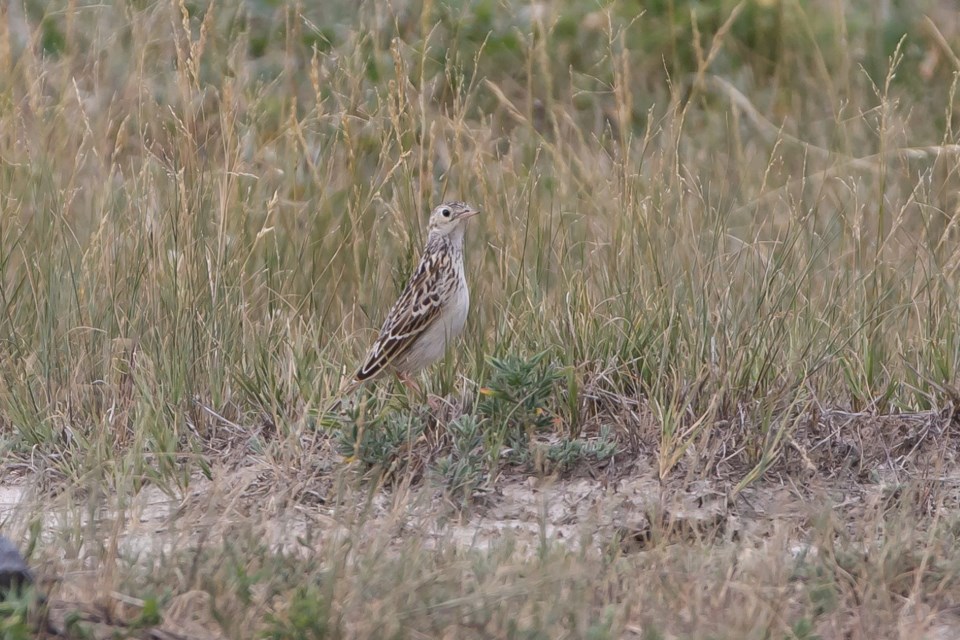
x: 449, y: 217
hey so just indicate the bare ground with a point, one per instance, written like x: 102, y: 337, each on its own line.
x: 867, y: 476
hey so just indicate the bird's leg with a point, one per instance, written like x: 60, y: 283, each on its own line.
x: 409, y: 383
x: 434, y: 402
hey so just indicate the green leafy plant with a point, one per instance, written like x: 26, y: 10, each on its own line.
x: 380, y: 441
x: 566, y: 454
x: 515, y: 403
x: 15, y: 616
x: 462, y: 470
x: 307, y: 617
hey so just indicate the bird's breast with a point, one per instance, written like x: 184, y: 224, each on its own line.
x: 459, y: 305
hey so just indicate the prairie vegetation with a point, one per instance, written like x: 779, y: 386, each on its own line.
x: 709, y: 378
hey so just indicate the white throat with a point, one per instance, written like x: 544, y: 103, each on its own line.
x: 454, y: 237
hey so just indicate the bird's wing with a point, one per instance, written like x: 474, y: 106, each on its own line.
x: 415, y: 310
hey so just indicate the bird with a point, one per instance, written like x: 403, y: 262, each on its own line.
x: 431, y: 311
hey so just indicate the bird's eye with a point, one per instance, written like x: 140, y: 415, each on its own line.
x: 445, y: 213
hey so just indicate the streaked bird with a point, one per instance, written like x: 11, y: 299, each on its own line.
x: 432, y: 309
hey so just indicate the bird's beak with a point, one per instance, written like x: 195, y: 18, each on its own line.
x: 469, y: 213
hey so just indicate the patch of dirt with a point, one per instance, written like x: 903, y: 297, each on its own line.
x: 859, y: 467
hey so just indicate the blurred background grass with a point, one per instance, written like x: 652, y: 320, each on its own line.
x: 700, y: 208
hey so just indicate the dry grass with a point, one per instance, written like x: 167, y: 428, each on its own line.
x: 718, y: 255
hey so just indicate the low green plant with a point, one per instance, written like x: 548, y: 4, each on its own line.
x: 380, y: 442
x: 307, y: 617
x: 462, y: 470
x: 566, y: 454
x: 15, y: 616
x: 516, y: 403
x: 150, y: 614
